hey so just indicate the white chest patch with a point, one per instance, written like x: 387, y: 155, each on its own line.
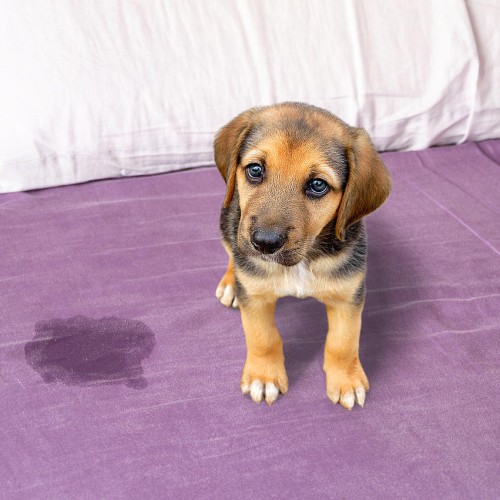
x: 297, y: 281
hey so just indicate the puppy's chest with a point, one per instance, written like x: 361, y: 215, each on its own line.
x: 306, y: 279
x: 295, y: 281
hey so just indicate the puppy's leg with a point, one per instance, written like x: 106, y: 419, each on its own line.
x: 346, y: 381
x: 226, y: 290
x: 264, y: 374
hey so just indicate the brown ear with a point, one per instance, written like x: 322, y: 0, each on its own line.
x: 368, y: 183
x: 227, y: 146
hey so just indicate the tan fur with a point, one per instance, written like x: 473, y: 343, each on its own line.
x: 265, y: 360
x: 228, y: 278
x: 344, y: 373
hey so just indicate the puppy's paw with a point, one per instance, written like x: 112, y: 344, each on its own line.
x: 264, y: 380
x: 225, y: 291
x: 346, y: 383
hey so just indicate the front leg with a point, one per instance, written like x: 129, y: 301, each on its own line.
x: 264, y: 374
x: 346, y: 381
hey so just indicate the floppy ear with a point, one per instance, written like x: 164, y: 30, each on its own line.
x: 227, y: 146
x: 368, y: 182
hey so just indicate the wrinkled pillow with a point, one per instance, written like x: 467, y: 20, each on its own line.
x: 91, y: 90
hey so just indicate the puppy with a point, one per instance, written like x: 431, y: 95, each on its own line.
x: 299, y: 181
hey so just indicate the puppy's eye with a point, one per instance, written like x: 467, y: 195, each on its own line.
x: 254, y: 172
x: 317, y: 188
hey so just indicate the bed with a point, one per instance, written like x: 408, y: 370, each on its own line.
x: 120, y: 369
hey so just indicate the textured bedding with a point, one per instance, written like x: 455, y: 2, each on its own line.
x: 119, y: 369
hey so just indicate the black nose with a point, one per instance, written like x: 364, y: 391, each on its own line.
x: 266, y: 241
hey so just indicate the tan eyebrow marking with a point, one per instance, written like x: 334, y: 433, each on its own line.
x: 254, y: 154
x: 329, y: 174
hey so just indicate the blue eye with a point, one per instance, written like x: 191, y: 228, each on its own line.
x: 317, y: 188
x: 254, y: 172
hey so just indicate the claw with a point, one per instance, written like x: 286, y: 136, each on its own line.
x: 360, y: 396
x: 257, y: 391
x: 334, y: 396
x: 347, y: 400
x: 271, y: 393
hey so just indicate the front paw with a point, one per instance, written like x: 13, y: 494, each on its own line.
x: 264, y: 378
x: 346, y: 382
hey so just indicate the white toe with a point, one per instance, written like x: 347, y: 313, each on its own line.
x: 360, y: 396
x: 347, y: 400
x: 334, y: 396
x: 228, y: 296
x: 257, y: 391
x: 245, y: 389
x: 235, y: 303
x: 220, y: 291
x: 271, y: 393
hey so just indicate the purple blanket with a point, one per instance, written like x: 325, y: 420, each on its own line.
x: 119, y: 369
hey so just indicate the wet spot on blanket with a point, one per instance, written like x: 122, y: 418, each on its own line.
x: 85, y: 351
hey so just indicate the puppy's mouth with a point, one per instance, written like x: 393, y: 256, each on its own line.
x: 283, y: 256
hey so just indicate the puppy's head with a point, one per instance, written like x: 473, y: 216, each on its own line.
x: 297, y: 168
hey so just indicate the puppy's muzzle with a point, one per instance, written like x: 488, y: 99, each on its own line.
x: 267, y: 241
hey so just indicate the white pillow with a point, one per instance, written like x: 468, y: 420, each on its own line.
x: 96, y: 89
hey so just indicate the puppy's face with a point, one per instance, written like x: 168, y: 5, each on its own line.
x: 293, y: 166
x: 290, y: 187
